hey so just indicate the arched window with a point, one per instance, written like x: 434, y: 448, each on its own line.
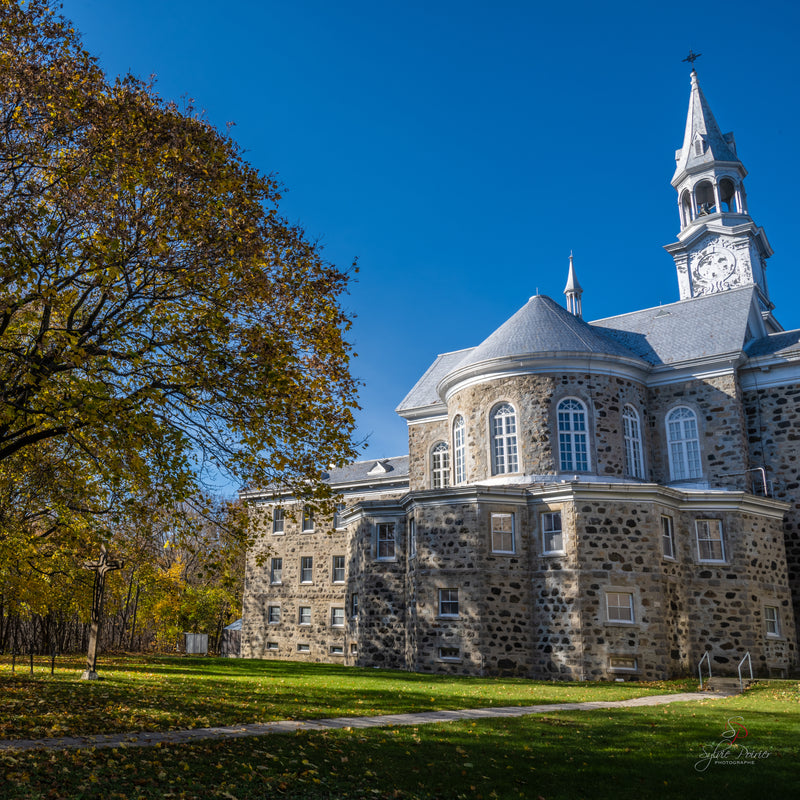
x: 459, y: 450
x: 686, y: 208
x: 684, y: 444
x: 503, y: 421
x: 704, y: 198
x: 634, y: 463
x: 573, y: 449
x: 440, y: 465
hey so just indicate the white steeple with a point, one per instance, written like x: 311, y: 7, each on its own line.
x: 573, y: 291
x: 719, y: 246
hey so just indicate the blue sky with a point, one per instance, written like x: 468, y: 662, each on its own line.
x: 461, y: 150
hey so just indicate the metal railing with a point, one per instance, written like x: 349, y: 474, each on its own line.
x: 745, y: 657
x: 707, y: 658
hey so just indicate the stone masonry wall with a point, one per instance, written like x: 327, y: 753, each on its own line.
x: 421, y: 439
x: 773, y: 424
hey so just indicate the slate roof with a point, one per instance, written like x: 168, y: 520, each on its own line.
x: 424, y: 391
x: 396, y: 468
x: 784, y: 343
x: 543, y: 326
x: 697, y: 328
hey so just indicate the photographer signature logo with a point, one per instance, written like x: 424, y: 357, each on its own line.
x: 731, y: 749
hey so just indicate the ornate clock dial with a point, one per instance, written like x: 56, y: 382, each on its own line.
x: 714, y: 267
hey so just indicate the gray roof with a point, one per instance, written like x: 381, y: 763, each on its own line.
x: 543, y: 326
x: 697, y: 328
x: 784, y: 343
x: 373, y: 470
x: 424, y: 391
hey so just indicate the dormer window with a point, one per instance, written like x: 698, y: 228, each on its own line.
x: 699, y: 146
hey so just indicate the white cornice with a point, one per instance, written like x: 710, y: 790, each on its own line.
x: 768, y: 372
x: 541, y: 364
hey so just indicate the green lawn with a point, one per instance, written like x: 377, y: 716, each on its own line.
x: 617, y: 754
x: 171, y: 693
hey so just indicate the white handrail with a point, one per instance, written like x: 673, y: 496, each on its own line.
x: 745, y: 657
x: 706, y: 657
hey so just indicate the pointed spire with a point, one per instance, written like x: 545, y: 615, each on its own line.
x: 703, y: 141
x: 573, y: 291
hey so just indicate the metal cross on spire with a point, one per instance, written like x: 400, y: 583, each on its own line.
x: 692, y: 57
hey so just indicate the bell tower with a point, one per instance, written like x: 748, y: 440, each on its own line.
x: 719, y: 246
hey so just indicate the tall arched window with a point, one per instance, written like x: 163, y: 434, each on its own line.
x: 503, y: 421
x: 634, y: 463
x: 684, y: 444
x: 440, y: 465
x: 573, y: 450
x: 459, y: 450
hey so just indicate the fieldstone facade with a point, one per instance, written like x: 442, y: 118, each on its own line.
x: 614, y: 500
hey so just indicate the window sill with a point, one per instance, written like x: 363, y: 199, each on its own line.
x: 622, y: 623
x: 553, y: 553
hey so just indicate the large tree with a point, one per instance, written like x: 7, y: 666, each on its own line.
x: 159, y: 319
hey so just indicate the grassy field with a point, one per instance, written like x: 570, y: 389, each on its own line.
x: 619, y: 754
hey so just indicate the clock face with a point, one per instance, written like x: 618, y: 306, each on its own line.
x: 714, y: 267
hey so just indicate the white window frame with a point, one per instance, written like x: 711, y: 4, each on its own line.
x: 303, y: 647
x: 683, y: 444
x: 440, y: 465
x: 412, y: 537
x: 499, y: 534
x: 556, y: 535
x: 336, y: 650
x: 503, y: 434
x: 304, y: 615
x: 337, y: 514
x: 632, y: 661
x: 278, y: 521
x: 337, y: 617
x: 273, y: 615
x: 448, y: 603
x: 708, y: 544
x: 573, y: 435
x: 272, y: 645
x: 459, y: 450
x: 337, y: 570
x: 772, y: 621
x: 668, y: 536
x: 276, y: 570
x: 632, y: 433
x: 614, y: 610
x: 308, y: 519
x: 354, y: 605
x: 449, y: 654
x: 307, y: 566
x: 385, y: 544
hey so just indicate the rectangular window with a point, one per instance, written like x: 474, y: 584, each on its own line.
x: 276, y: 570
x: 338, y: 569
x: 710, y: 546
x: 667, y: 536
x: 272, y: 645
x: 502, y: 533
x: 303, y: 648
x: 449, y: 654
x: 772, y: 621
x: 619, y: 606
x: 448, y: 602
x: 273, y: 615
x: 552, y: 535
x: 337, y: 617
x: 304, y: 615
x: 307, y: 569
x: 308, y: 519
x: 385, y: 541
x: 337, y: 650
x: 354, y: 605
x: 412, y: 537
x: 277, y: 520
x: 337, y: 516
x: 353, y: 648
x: 622, y: 663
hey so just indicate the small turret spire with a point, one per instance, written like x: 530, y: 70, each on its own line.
x: 573, y: 291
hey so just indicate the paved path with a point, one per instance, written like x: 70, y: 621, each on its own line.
x: 290, y: 726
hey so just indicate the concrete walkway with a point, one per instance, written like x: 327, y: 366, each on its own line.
x: 290, y: 726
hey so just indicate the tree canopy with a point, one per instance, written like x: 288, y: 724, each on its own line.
x: 159, y: 319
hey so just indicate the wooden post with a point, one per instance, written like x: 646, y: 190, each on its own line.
x: 100, y: 567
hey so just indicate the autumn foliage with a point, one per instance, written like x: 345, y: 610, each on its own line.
x: 161, y: 324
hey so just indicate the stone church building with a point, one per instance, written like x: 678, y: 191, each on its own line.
x: 580, y: 500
